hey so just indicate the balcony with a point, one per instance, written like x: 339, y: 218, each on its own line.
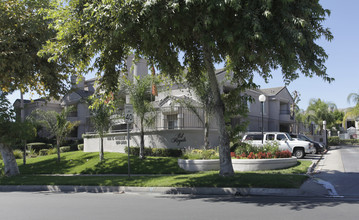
x: 284, y: 115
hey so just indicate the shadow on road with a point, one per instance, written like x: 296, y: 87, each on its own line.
x: 292, y: 203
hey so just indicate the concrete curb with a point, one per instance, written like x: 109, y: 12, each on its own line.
x: 158, y: 190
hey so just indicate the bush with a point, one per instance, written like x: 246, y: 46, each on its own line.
x: 245, y: 148
x: 201, y: 154
x: 233, y: 146
x: 52, y: 151
x: 349, y: 141
x: 44, y: 152
x: 18, y: 154
x: 155, y: 152
x: 80, y: 147
x: 37, y: 146
x: 65, y: 149
x: 333, y: 141
x: 267, y: 151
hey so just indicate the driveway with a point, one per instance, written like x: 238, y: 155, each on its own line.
x: 340, y: 168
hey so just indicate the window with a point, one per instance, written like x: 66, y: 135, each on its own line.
x: 281, y: 137
x: 249, y: 105
x: 254, y: 137
x: 172, y: 121
x: 270, y: 137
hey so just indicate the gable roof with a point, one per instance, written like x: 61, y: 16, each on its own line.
x: 272, y: 91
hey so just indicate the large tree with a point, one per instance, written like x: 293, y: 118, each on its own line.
x: 6, y: 121
x: 23, y: 32
x: 251, y: 36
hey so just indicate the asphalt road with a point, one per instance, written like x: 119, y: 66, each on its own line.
x: 77, y: 206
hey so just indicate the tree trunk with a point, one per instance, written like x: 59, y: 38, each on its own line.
x: 206, y: 129
x: 226, y: 168
x: 10, y: 165
x: 101, y: 149
x: 22, y: 113
x: 58, y: 150
x: 142, y: 144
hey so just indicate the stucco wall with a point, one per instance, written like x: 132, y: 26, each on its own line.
x: 116, y: 142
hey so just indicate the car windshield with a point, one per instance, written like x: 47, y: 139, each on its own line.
x: 289, y: 137
x: 303, y: 137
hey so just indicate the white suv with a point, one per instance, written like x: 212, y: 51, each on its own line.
x: 297, y: 147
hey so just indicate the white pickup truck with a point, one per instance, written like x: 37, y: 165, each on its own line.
x: 297, y: 147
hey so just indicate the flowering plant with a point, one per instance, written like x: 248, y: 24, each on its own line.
x: 263, y: 155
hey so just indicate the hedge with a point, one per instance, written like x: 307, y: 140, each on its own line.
x: 335, y: 141
x: 80, y: 147
x: 65, y: 149
x: 155, y: 152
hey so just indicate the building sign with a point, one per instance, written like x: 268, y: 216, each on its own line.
x: 179, y: 138
x: 120, y: 140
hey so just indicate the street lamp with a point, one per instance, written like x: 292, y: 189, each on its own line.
x: 325, y: 130
x: 262, y: 99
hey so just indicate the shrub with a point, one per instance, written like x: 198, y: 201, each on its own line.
x: 43, y: 152
x: 201, y: 154
x: 283, y: 154
x: 52, y: 151
x: 37, y: 146
x: 155, y: 152
x: 80, y: 147
x: 245, y: 148
x: 349, y: 141
x: 65, y: 149
x: 333, y: 141
x: 18, y: 154
x: 267, y: 151
x: 233, y: 146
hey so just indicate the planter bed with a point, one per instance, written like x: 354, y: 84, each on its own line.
x: 263, y: 164
x: 238, y: 164
x: 199, y: 165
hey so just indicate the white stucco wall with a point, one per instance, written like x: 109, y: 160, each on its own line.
x: 116, y: 142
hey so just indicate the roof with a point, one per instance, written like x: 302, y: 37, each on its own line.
x: 27, y: 101
x: 84, y: 93
x: 272, y: 91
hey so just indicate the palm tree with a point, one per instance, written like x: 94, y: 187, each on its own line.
x: 354, y: 111
x: 319, y: 111
x: 57, y: 124
x: 140, y: 98
x: 101, y: 120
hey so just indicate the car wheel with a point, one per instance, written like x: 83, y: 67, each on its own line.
x: 316, y: 151
x: 299, y: 153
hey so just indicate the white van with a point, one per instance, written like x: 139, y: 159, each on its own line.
x: 298, y: 147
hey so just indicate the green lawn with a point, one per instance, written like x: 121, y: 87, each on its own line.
x: 116, y: 163
x: 78, y: 162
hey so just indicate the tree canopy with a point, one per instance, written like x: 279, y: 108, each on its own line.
x: 251, y: 36
x: 23, y: 32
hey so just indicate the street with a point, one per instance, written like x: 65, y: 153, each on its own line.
x: 338, y: 167
x: 20, y: 205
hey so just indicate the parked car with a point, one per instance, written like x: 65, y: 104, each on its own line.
x: 298, y: 147
x: 319, y: 148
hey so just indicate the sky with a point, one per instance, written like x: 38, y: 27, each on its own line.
x: 342, y: 63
